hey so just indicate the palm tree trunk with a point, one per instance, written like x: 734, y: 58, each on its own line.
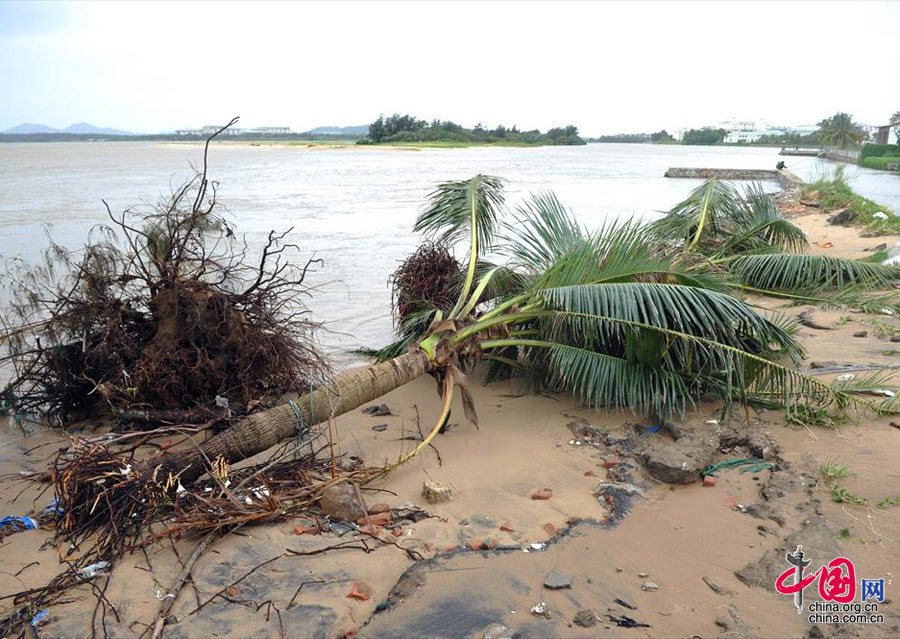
x: 261, y: 431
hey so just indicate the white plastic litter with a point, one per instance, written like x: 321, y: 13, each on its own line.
x: 89, y: 572
x: 846, y: 377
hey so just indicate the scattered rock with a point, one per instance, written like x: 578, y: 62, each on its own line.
x: 556, y: 580
x: 618, y: 568
x: 733, y: 625
x: 507, y: 527
x: 875, y: 249
x: 233, y: 591
x: 589, y: 473
x: 709, y: 480
x: 643, y: 575
x: 499, y: 631
x: 680, y: 462
x: 719, y: 590
x: 341, y: 502
x: 585, y: 619
x: 860, y: 333
x: 826, y: 364
x: 542, y: 494
x: 842, y: 217
x: 360, y: 592
x: 895, y: 338
x: 380, y: 428
x: 379, y: 508
x: 806, y: 318
x: 377, y: 411
x: 612, y: 462
x: 477, y: 544
x: 550, y: 529
x: 435, y: 492
x: 649, y: 586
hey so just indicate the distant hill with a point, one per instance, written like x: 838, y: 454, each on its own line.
x: 81, y: 128
x: 361, y: 130
x: 85, y: 128
x: 26, y: 128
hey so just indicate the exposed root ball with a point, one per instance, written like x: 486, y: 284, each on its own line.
x: 427, y: 279
x: 163, y: 309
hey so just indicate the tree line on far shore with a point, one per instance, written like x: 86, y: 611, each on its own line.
x: 408, y: 128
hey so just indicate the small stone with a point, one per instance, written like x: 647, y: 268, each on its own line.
x: 585, y: 619
x: 709, y: 481
x: 507, y: 527
x: 826, y: 364
x: 340, y: 501
x: 360, y: 592
x: 550, y: 529
x: 860, y: 333
x: 649, y: 586
x: 542, y: 494
x: 435, y: 492
x: 589, y: 473
x: 618, y: 568
x: 556, y: 580
x: 380, y: 427
x: 476, y: 544
x: 233, y: 591
x: 643, y: 575
x: 895, y: 338
x: 368, y: 530
x: 377, y: 411
x: 379, y: 508
x: 397, y: 532
x: 612, y: 462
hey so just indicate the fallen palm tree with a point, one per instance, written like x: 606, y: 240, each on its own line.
x: 747, y: 238
x: 610, y: 316
x: 602, y: 314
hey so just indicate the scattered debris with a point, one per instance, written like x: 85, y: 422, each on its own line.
x: 649, y: 586
x: 627, y: 622
x: 540, y: 610
x: 806, y: 318
x: 380, y: 428
x: 643, y: 575
x: 625, y: 604
x: 360, y: 592
x: 542, y: 494
x: 860, y: 333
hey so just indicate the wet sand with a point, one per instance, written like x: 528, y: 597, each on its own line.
x: 676, y: 535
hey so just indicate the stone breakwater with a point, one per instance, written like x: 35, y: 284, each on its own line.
x: 784, y: 178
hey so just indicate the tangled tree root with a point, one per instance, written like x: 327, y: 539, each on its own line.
x: 161, y: 309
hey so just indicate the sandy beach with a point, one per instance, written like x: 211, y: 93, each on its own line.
x: 687, y: 560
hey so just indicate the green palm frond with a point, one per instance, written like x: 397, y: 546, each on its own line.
x: 801, y: 272
x: 688, y: 309
x: 761, y: 227
x: 455, y: 208
x: 704, y: 213
x: 542, y: 229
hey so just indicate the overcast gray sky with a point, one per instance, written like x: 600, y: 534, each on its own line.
x: 605, y: 67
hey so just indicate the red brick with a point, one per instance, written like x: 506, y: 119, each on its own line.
x: 709, y: 480
x: 507, y: 527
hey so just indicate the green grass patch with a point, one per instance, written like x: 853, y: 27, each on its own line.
x: 835, y: 193
x: 881, y: 163
x: 876, y: 258
x: 806, y: 415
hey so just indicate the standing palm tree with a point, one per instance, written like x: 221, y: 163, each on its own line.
x: 840, y: 130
